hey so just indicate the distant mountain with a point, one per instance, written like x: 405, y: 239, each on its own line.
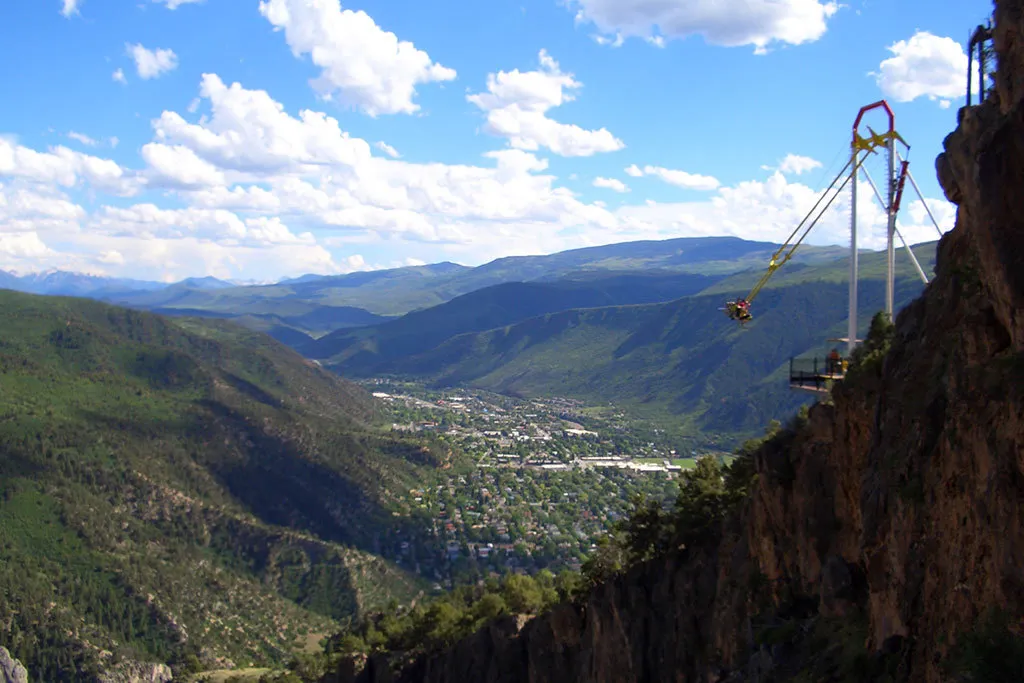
x: 683, y: 363
x: 315, y: 305
x: 202, y: 283
x: 184, y: 490
x: 397, y: 291
x: 368, y: 349
x: 58, y: 282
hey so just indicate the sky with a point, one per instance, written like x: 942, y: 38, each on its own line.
x: 256, y: 140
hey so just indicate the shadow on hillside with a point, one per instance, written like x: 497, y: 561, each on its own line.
x: 247, y: 388
x: 14, y: 465
x: 286, y: 485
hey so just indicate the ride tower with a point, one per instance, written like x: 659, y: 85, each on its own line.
x: 817, y: 374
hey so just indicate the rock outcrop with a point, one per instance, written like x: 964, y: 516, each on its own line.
x: 892, y: 517
x: 11, y: 670
x: 130, y: 671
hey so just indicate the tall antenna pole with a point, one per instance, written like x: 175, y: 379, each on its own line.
x: 890, y: 280
x: 851, y: 325
x: 970, y: 65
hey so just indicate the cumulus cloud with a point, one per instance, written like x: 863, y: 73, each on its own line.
x: 251, y: 133
x: 769, y: 210
x: 610, y: 184
x: 517, y: 104
x: 797, y: 165
x: 65, y: 167
x: 118, y: 76
x: 688, y: 181
x: 362, y: 65
x: 729, y: 23
x: 82, y: 138
x: 925, y: 65
x: 259, y: 192
x: 151, y: 63
x: 69, y: 8
x: 387, y: 149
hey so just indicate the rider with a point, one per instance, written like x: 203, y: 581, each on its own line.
x: 743, y: 309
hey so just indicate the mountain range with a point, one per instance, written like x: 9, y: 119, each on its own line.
x: 659, y: 344
x: 314, y: 305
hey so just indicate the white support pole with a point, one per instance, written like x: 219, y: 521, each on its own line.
x: 890, y: 281
x: 851, y: 325
x: 923, y: 202
x: 910, y: 252
x: 913, y: 259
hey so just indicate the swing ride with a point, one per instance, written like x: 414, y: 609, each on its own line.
x: 817, y: 376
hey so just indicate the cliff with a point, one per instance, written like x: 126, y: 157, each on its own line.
x: 11, y: 670
x: 881, y: 531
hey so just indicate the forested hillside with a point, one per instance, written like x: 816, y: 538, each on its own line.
x: 182, y: 491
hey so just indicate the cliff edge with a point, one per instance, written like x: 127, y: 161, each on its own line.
x: 880, y: 532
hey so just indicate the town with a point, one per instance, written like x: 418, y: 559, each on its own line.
x: 541, y: 480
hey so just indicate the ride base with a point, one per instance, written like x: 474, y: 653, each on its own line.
x: 815, y: 374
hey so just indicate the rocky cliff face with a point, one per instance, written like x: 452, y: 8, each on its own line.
x: 880, y: 531
x: 11, y: 670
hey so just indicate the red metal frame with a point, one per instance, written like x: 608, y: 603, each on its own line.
x: 899, y: 187
x: 866, y: 109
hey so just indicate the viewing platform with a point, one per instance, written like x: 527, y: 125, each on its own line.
x: 815, y: 374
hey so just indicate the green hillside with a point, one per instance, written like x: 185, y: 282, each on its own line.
x: 683, y: 363
x: 182, y: 491
x: 372, y: 348
x: 316, y: 305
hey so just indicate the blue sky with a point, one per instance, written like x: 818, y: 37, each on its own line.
x: 525, y: 126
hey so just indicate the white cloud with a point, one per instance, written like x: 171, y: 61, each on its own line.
x: 112, y: 257
x: 214, y: 225
x: 605, y: 40
x: 250, y: 133
x: 261, y: 193
x: 65, y: 167
x: 926, y: 65
x: 177, y: 166
x: 70, y: 7
x: 152, y: 63
x: 611, y: 184
x: 517, y: 103
x: 797, y: 165
x: 770, y: 210
x: 118, y: 76
x: 82, y: 138
x: 175, y: 4
x: 387, y: 149
x: 689, y: 181
x: 729, y: 23
x: 363, y: 66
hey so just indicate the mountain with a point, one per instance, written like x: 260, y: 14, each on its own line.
x: 60, y: 282
x: 683, y: 363
x: 367, y: 350
x: 877, y: 537
x: 395, y: 292
x: 202, y: 283
x: 183, y: 490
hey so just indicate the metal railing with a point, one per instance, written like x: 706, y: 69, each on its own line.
x: 815, y: 372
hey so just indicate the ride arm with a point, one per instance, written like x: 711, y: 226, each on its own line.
x: 786, y: 251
